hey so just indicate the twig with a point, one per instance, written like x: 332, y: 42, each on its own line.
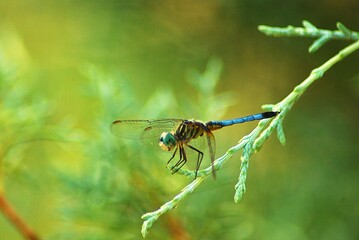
x: 309, y: 30
x: 284, y: 107
x: 16, y: 220
x: 151, y: 217
x: 251, y: 142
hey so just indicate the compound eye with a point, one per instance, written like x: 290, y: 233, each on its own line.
x: 167, y: 141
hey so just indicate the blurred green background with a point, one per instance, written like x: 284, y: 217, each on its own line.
x: 69, y: 68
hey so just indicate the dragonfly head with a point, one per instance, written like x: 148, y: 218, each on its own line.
x: 167, y: 141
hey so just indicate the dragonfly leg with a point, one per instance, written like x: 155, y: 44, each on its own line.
x: 199, y: 159
x: 181, y: 162
x: 174, y: 154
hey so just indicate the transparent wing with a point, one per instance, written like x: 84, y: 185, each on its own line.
x: 199, y: 143
x: 211, y: 143
x: 206, y: 144
x: 143, y: 129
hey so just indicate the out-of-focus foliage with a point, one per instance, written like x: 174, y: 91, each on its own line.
x: 147, y: 60
x: 118, y: 172
x: 25, y: 130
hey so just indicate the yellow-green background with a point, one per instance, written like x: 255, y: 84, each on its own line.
x: 308, y: 189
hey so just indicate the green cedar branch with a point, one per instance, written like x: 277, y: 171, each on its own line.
x: 251, y: 142
x: 309, y: 30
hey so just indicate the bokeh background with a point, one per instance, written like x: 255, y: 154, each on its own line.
x: 69, y: 68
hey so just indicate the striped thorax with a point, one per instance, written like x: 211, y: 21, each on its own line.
x: 185, y: 132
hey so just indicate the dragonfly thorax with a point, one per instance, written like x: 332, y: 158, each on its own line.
x: 167, y: 141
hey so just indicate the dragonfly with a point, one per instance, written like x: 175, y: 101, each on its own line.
x: 180, y: 135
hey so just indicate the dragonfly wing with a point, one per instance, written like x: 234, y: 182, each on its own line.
x: 205, y: 144
x: 143, y: 129
x: 198, y: 143
x: 211, y: 149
